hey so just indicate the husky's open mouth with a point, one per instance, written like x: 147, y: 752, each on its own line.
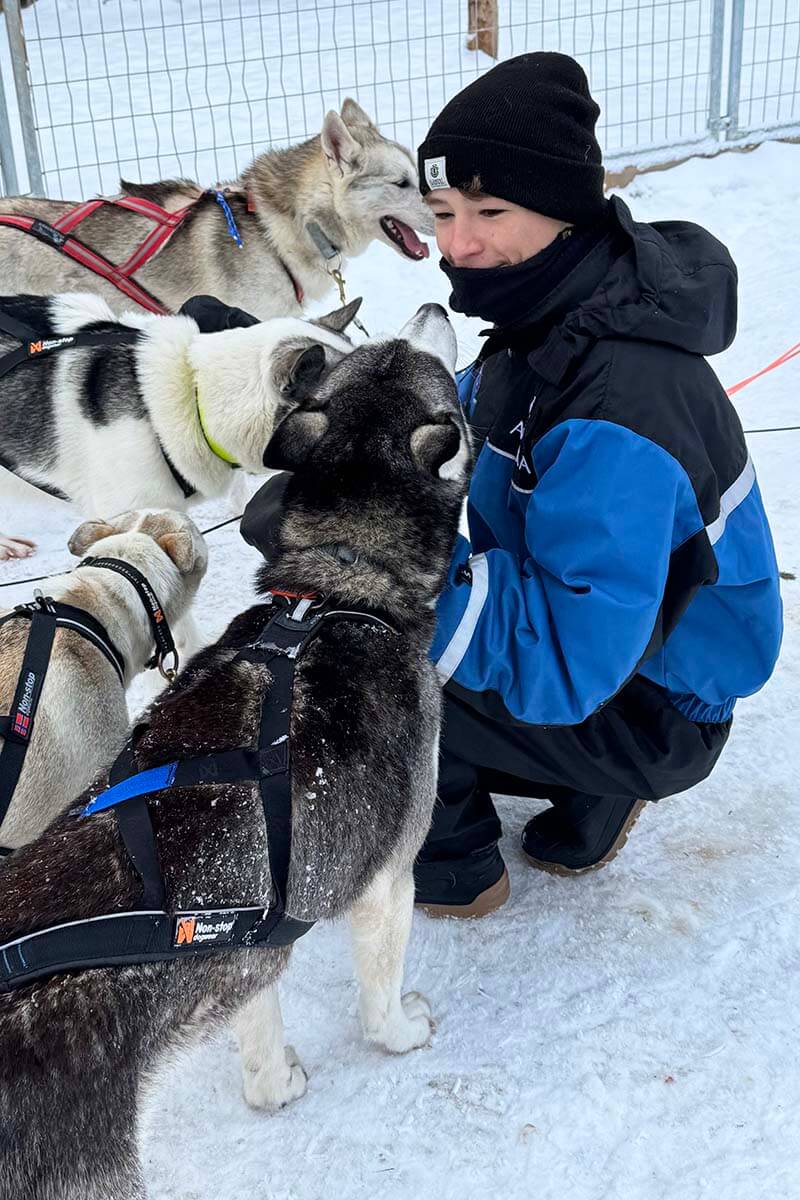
x: 404, y: 237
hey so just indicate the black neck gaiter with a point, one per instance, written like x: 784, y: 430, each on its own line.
x: 505, y: 295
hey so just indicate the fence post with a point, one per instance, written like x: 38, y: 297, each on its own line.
x: 8, y: 168
x: 19, y: 62
x: 716, y: 121
x: 735, y: 68
x: 483, y: 26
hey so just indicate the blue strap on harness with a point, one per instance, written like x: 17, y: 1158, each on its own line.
x: 154, y: 780
x: 229, y: 217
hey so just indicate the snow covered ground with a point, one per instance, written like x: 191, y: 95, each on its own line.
x: 629, y: 1035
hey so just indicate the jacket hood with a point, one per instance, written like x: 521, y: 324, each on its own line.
x: 669, y: 282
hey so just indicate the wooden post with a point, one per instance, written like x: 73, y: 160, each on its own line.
x: 483, y: 26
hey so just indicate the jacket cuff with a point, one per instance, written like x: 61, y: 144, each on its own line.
x: 458, y: 611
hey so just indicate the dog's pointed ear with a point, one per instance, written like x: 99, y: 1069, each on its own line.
x: 354, y: 116
x: 178, y: 537
x: 183, y: 549
x: 299, y: 372
x: 340, y: 318
x: 293, y: 441
x: 87, y: 534
x: 338, y: 144
x: 435, y: 444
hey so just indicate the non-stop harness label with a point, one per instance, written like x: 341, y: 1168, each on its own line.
x: 45, y: 344
x: 194, y: 929
x: 22, y: 717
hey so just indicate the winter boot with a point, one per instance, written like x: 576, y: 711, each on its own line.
x: 463, y: 887
x: 580, y: 833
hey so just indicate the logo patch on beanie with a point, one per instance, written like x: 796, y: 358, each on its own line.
x: 435, y: 173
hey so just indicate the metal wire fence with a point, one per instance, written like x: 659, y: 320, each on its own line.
x: 770, y: 66
x: 149, y: 89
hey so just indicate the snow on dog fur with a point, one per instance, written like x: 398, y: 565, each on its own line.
x: 368, y: 455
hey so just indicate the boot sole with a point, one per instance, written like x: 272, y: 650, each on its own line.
x: 554, y: 868
x: 487, y: 902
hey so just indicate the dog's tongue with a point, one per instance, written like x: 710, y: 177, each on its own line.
x: 410, y: 240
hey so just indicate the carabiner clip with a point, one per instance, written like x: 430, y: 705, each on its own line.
x: 168, y: 673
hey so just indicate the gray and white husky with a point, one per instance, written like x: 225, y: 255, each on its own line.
x: 154, y: 423
x: 82, y: 718
x: 336, y: 192
x: 379, y: 455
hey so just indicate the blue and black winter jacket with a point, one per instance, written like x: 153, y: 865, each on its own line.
x: 616, y: 524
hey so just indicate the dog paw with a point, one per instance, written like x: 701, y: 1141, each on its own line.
x: 17, y: 547
x: 271, y: 1089
x: 412, y: 1028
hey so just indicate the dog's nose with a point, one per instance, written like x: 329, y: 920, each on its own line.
x: 430, y: 330
x: 433, y: 310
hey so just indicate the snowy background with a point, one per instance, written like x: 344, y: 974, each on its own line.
x: 628, y: 1035
x: 150, y: 89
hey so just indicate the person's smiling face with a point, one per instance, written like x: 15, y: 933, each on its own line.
x: 485, y: 231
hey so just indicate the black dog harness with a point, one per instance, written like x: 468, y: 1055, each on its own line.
x: 45, y: 616
x: 151, y: 933
x: 35, y: 346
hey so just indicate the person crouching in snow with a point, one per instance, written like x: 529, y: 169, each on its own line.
x: 619, y: 588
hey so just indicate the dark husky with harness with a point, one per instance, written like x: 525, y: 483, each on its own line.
x: 287, y: 776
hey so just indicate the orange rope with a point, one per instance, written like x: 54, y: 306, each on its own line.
x: 792, y: 352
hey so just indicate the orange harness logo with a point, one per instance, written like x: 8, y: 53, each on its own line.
x: 49, y: 344
x: 185, y: 932
x: 206, y: 928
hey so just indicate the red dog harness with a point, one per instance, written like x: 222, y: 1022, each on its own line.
x: 61, y: 237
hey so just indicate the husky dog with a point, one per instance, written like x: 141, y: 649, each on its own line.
x: 380, y: 455
x: 82, y: 718
x: 300, y: 212
x: 158, y: 421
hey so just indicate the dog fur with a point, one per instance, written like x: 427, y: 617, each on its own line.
x: 347, y: 179
x: 82, y: 718
x: 92, y: 423
x: 374, y: 454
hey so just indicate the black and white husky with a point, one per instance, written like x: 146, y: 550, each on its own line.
x: 379, y: 455
x: 160, y: 421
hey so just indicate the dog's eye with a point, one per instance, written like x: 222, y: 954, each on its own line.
x: 404, y: 182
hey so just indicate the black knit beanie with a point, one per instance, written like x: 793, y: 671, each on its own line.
x: 524, y: 131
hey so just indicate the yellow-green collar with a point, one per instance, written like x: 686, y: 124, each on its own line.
x: 212, y: 445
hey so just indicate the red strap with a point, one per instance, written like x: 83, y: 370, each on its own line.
x: 146, y: 208
x: 166, y: 224
x: 792, y: 352
x: 23, y: 223
x: 298, y: 291
x: 87, y: 257
x: 149, y: 248
x: 296, y: 595
x: 77, y: 250
x: 83, y: 254
x: 75, y: 215
x: 120, y: 277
